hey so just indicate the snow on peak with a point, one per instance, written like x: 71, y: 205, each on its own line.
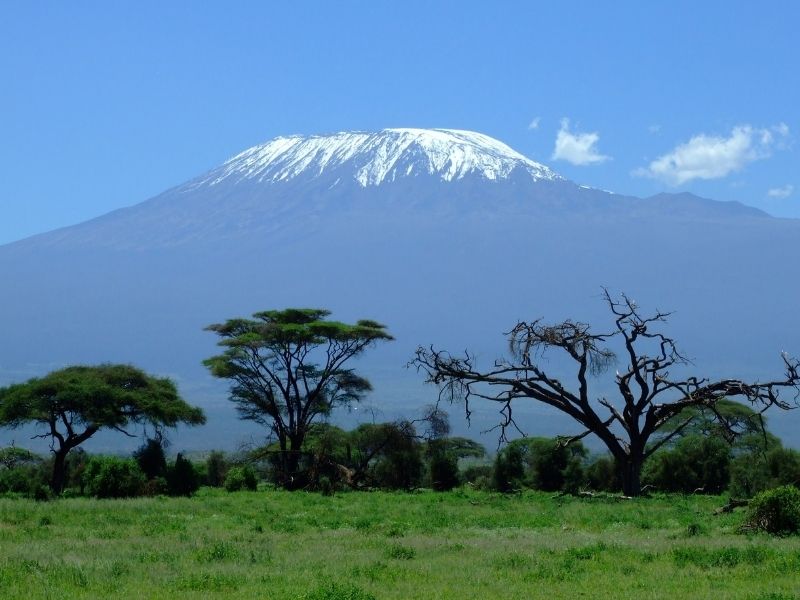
x: 373, y: 158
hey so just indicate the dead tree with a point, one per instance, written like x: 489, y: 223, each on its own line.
x: 649, y: 397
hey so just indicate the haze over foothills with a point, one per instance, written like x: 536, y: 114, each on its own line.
x: 447, y: 235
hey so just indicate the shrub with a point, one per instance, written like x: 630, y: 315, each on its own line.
x: 696, y: 462
x: 478, y: 476
x: 508, y: 469
x: 776, y: 511
x: 182, y: 478
x: 216, y: 469
x: 112, y: 477
x: 241, y: 478
x: 443, y: 469
x: 151, y: 459
x: 602, y: 475
x: 761, y: 470
x: 540, y: 463
x: 23, y: 480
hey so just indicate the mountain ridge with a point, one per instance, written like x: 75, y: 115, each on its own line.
x: 298, y: 176
x: 453, y: 263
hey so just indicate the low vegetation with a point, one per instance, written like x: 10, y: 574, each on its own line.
x: 458, y: 544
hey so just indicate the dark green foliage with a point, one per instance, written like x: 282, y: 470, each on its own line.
x: 112, y: 477
x: 442, y: 467
x: 155, y: 487
x: 385, y: 455
x: 776, y: 511
x: 216, y: 469
x: 478, y: 476
x: 444, y: 452
x: 21, y: 471
x: 760, y: 470
x: 151, y: 459
x: 241, y: 478
x: 602, y: 475
x: 540, y: 463
x: 74, y: 467
x: 70, y: 405
x: 13, y: 457
x: 399, y: 463
x: 24, y: 480
x: 695, y: 463
x: 182, y: 477
x: 509, y: 469
x: 287, y: 369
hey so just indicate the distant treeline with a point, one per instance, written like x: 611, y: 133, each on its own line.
x: 395, y: 456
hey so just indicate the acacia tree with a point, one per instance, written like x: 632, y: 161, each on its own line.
x: 74, y: 403
x: 288, y: 371
x: 649, y: 396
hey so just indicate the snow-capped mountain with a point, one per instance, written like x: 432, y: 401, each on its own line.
x: 449, y: 237
x: 371, y: 159
x: 425, y: 174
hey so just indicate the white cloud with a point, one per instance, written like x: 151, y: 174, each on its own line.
x: 534, y: 124
x: 781, y: 192
x: 654, y: 129
x: 577, y: 148
x: 713, y: 156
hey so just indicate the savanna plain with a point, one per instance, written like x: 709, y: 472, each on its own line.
x: 360, y: 546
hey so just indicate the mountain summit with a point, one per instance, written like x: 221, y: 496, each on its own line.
x: 374, y: 158
x: 449, y: 237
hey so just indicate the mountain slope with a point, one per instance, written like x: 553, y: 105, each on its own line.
x: 447, y: 237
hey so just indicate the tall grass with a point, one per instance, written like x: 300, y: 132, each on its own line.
x: 387, y: 545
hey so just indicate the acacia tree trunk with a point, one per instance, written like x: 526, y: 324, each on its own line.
x: 59, y: 471
x: 631, y: 473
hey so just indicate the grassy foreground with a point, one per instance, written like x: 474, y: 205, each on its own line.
x: 356, y: 546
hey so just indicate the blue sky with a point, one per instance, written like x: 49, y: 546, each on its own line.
x: 103, y: 105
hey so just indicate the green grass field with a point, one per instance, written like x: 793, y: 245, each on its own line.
x: 357, y: 546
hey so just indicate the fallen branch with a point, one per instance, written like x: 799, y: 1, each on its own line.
x: 732, y: 503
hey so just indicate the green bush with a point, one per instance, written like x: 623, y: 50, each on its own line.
x: 182, y: 477
x: 695, y: 463
x: 761, y: 470
x: 216, y: 469
x: 112, y: 477
x: 241, y: 478
x: 602, y: 475
x: 442, y: 468
x: 776, y: 511
x: 478, y: 476
x: 540, y: 463
x: 151, y: 459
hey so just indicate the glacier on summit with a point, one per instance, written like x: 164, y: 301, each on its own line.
x: 377, y: 157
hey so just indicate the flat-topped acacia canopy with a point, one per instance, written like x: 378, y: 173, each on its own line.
x: 74, y: 403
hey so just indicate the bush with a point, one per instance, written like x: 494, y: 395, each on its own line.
x: 761, y: 470
x: 442, y: 467
x: 216, y: 469
x: 602, y: 475
x: 509, y: 470
x: 112, y: 477
x: 540, y: 463
x: 478, y: 476
x: 151, y: 459
x: 776, y: 511
x: 696, y: 462
x: 241, y: 478
x: 182, y: 478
